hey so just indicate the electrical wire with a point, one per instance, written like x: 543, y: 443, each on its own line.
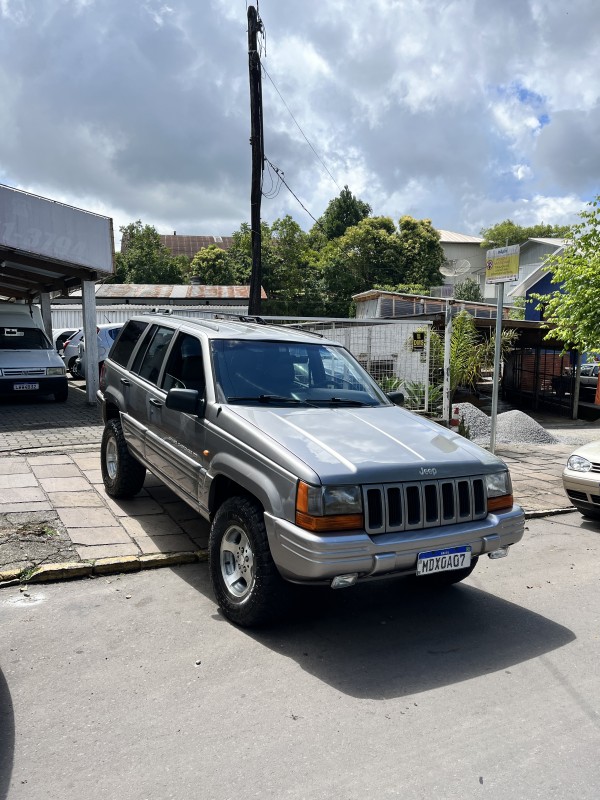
x: 280, y: 175
x: 299, y: 128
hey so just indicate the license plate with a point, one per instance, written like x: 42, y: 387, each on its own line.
x: 26, y: 387
x: 443, y: 560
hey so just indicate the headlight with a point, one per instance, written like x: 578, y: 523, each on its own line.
x: 328, y: 508
x: 579, y: 464
x: 55, y: 371
x: 499, y: 491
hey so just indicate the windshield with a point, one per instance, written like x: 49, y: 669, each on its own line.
x: 291, y: 373
x: 23, y: 339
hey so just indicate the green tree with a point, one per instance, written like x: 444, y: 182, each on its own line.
x: 422, y: 252
x: 367, y: 254
x: 468, y: 290
x: 213, y: 267
x: 470, y: 352
x: 573, y: 307
x: 343, y: 212
x: 289, y: 270
x: 508, y: 232
x: 144, y: 259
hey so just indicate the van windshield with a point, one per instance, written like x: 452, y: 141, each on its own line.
x: 23, y: 339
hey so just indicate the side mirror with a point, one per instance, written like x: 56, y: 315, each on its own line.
x: 397, y: 398
x: 186, y: 400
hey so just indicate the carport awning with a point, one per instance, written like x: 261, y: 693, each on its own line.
x: 46, y: 246
x: 24, y: 276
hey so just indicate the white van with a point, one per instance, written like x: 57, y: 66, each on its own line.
x: 29, y: 364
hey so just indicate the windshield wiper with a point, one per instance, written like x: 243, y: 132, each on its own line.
x: 267, y: 398
x: 340, y: 401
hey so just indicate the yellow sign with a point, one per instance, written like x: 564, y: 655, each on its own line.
x: 502, y: 264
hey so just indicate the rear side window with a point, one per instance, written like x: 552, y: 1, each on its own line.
x: 125, y: 344
x: 150, y: 356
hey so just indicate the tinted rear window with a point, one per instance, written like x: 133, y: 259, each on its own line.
x: 125, y: 344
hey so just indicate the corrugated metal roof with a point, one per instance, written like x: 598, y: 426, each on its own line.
x: 175, y: 291
x: 190, y: 245
x: 449, y: 236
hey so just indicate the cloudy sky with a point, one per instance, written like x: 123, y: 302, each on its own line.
x: 462, y: 111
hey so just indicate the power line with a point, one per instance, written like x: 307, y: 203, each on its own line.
x: 280, y: 175
x: 299, y: 128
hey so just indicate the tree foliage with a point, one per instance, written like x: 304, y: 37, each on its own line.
x: 508, y: 232
x: 574, y: 306
x: 469, y: 290
x: 213, y: 267
x: 422, y: 253
x: 144, y: 259
x: 343, y: 212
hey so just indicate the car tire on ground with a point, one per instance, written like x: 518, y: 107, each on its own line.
x: 439, y: 580
x: 123, y: 475
x: 62, y: 394
x: 245, y: 580
x: 595, y: 515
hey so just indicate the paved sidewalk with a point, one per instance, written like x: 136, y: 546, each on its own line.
x: 53, y: 507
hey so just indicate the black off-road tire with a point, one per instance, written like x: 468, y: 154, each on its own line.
x: 439, y: 580
x: 123, y: 475
x: 245, y: 580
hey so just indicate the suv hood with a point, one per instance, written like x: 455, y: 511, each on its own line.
x: 386, y: 443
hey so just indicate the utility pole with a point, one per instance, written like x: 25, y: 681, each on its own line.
x: 258, y: 154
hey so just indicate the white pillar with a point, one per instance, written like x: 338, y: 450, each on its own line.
x: 90, y: 335
x: 46, y: 313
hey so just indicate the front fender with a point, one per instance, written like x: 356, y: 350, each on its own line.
x: 273, y: 487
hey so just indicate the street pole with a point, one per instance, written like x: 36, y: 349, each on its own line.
x: 497, y: 352
x: 447, y: 346
x: 257, y: 144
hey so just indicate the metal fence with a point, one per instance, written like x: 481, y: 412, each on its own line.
x: 398, y: 354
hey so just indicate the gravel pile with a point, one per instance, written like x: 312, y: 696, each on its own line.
x: 511, y: 427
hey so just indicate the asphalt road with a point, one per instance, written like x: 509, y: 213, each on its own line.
x: 135, y: 687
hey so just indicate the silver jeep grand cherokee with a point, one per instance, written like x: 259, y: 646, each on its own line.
x: 306, y: 470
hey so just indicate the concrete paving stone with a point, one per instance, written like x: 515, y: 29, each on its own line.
x: 153, y: 525
x: 164, y: 544
x: 94, y: 476
x: 161, y: 493
x: 10, y: 508
x: 198, y: 527
x: 87, y: 517
x: 64, y: 484
x: 21, y: 479
x: 24, y: 494
x: 75, y: 499
x: 99, y: 536
x: 180, y: 511
x: 55, y: 458
x: 136, y: 507
x: 10, y: 466
x: 86, y: 460
x: 92, y: 552
x: 52, y: 470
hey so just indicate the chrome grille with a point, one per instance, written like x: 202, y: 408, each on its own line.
x: 24, y: 373
x: 394, y: 507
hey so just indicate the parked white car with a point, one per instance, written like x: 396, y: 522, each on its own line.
x: 29, y: 364
x: 106, y: 336
x: 71, y: 350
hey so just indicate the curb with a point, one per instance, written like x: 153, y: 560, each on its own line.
x: 550, y: 512
x: 102, y: 566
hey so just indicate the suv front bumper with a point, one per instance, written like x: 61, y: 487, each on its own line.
x: 305, y: 557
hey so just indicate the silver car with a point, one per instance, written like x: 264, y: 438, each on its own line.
x: 307, y: 472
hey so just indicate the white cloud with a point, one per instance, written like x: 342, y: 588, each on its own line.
x: 464, y: 112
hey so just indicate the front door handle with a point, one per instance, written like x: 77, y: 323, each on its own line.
x: 157, y: 403
x: 125, y: 382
